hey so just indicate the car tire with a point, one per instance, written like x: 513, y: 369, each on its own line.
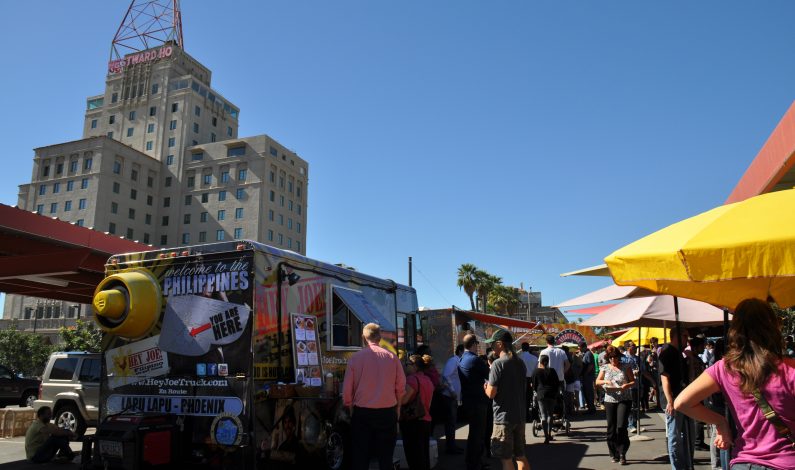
x: 28, y: 398
x: 337, y: 452
x: 69, y: 417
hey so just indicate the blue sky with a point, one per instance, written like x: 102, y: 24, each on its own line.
x: 528, y: 138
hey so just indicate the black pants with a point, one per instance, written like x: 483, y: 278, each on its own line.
x: 451, y: 420
x: 416, y: 435
x: 374, y: 431
x: 476, y: 415
x: 617, y: 436
x: 52, y: 445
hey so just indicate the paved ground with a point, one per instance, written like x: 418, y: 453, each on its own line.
x: 584, y: 449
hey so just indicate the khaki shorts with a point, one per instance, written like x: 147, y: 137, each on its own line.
x: 508, y: 441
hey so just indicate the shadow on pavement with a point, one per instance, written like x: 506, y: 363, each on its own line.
x: 25, y: 465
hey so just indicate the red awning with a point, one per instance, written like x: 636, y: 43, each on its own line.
x: 498, y: 320
x: 46, y: 257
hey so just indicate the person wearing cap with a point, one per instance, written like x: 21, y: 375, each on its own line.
x: 474, y: 372
x: 506, y: 386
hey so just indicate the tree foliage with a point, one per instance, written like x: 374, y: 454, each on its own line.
x: 24, y: 352
x: 84, y: 336
x: 467, y: 280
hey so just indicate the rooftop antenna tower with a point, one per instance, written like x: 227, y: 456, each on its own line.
x: 147, y: 24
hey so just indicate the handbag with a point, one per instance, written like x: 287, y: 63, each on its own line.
x: 413, y: 409
x: 775, y: 419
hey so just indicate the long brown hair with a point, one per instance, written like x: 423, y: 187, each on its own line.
x: 755, y: 344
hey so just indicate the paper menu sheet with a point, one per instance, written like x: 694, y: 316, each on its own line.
x: 306, y: 350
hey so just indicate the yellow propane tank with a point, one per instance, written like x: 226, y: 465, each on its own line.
x: 127, y: 304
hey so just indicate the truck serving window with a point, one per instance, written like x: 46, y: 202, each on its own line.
x: 347, y: 327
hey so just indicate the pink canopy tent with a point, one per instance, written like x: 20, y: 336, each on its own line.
x: 657, y: 311
x: 607, y: 294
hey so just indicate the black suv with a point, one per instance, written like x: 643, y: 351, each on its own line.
x: 17, y: 390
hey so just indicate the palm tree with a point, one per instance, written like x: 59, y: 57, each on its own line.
x: 467, y: 278
x: 504, y: 299
x: 485, y: 285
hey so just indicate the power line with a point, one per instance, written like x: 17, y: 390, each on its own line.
x: 431, y: 284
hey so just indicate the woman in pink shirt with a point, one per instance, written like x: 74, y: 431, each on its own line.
x: 754, y: 360
x: 416, y: 433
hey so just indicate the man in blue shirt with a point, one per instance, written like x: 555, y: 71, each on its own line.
x: 474, y: 372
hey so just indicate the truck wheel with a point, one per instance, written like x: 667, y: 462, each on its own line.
x: 336, y: 449
x: 68, y: 417
x: 28, y: 398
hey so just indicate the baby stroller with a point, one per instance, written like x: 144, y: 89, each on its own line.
x: 560, y: 417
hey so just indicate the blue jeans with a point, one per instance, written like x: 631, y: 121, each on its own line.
x: 678, y: 447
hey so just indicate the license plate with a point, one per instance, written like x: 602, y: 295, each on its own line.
x: 111, y: 448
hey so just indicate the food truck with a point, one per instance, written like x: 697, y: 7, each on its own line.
x: 235, y: 353
x: 447, y: 327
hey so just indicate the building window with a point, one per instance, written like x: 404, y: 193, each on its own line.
x: 70, y: 185
x: 150, y: 127
x: 149, y: 145
x: 40, y: 208
x: 80, y: 222
x: 197, y: 111
x: 129, y: 132
x: 129, y: 234
x: 270, y: 235
x: 290, y: 187
x: 290, y: 205
x: 172, y: 142
x: 174, y: 107
x: 152, y: 111
x: 289, y: 223
x: 131, y: 214
x: 229, y: 131
x: 224, y: 176
x: 166, y: 202
x: 202, y: 237
x: 195, y: 142
x: 240, y: 193
x: 112, y: 228
x: 219, y: 235
x: 170, y: 160
x: 114, y: 97
x: 270, y: 215
x: 273, y: 177
x: 146, y: 238
x: 172, y: 125
x: 215, y: 121
x: 298, y: 191
x: 297, y: 246
x: 185, y: 238
x: 87, y: 163
x: 148, y: 219
x: 134, y: 175
x: 203, y: 217
x: 155, y: 88
x: 45, y: 171
x: 132, y: 115
x: 188, y: 199
x: 289, y: 243
x: 195, y: 127
x: 273, y: 151
x: 221, y: 196
x: 239, y: 213
x: 114, y: 208
x: 207, y: 178
x: 281, y: 201
x: 167, y: 182
x: 81, y: 204
x: 112, y: 119
x: 93, y: 123
x: 221, y: 214
x: 281, y: 239
x: 164, y: 221
x: 191, y: 181
x: 299, y: 209
x: 272, y: 196
x: 298, y: 227
x: 196, y: 157
x: 56, y: 188
x: 281, y: 219
x: 116, y: 187
x: 150, y: 181
x: 236, y: 151
x: 73, y: 166
x: 241, y: 175
x: 186, y: 219
x: 42, y: 190
x: 212, y: 137
x: 163, y: 240
x: 148, y: 199
x: 281, y: 182
x: 117, y: 167
x: 238, y: 233
x: 205, y: 198
x: 133, y: 194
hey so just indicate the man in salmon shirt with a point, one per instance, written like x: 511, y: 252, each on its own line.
x: 373, y: 385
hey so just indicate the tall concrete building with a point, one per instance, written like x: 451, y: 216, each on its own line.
x: 160, y: 161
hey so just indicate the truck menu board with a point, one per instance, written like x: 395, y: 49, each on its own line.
x: 306, y: 350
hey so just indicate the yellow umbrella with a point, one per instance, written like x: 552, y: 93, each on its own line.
x: 645, y: 334
x: 722, y: 256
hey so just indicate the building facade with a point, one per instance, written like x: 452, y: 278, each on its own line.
x: 161, y: 162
